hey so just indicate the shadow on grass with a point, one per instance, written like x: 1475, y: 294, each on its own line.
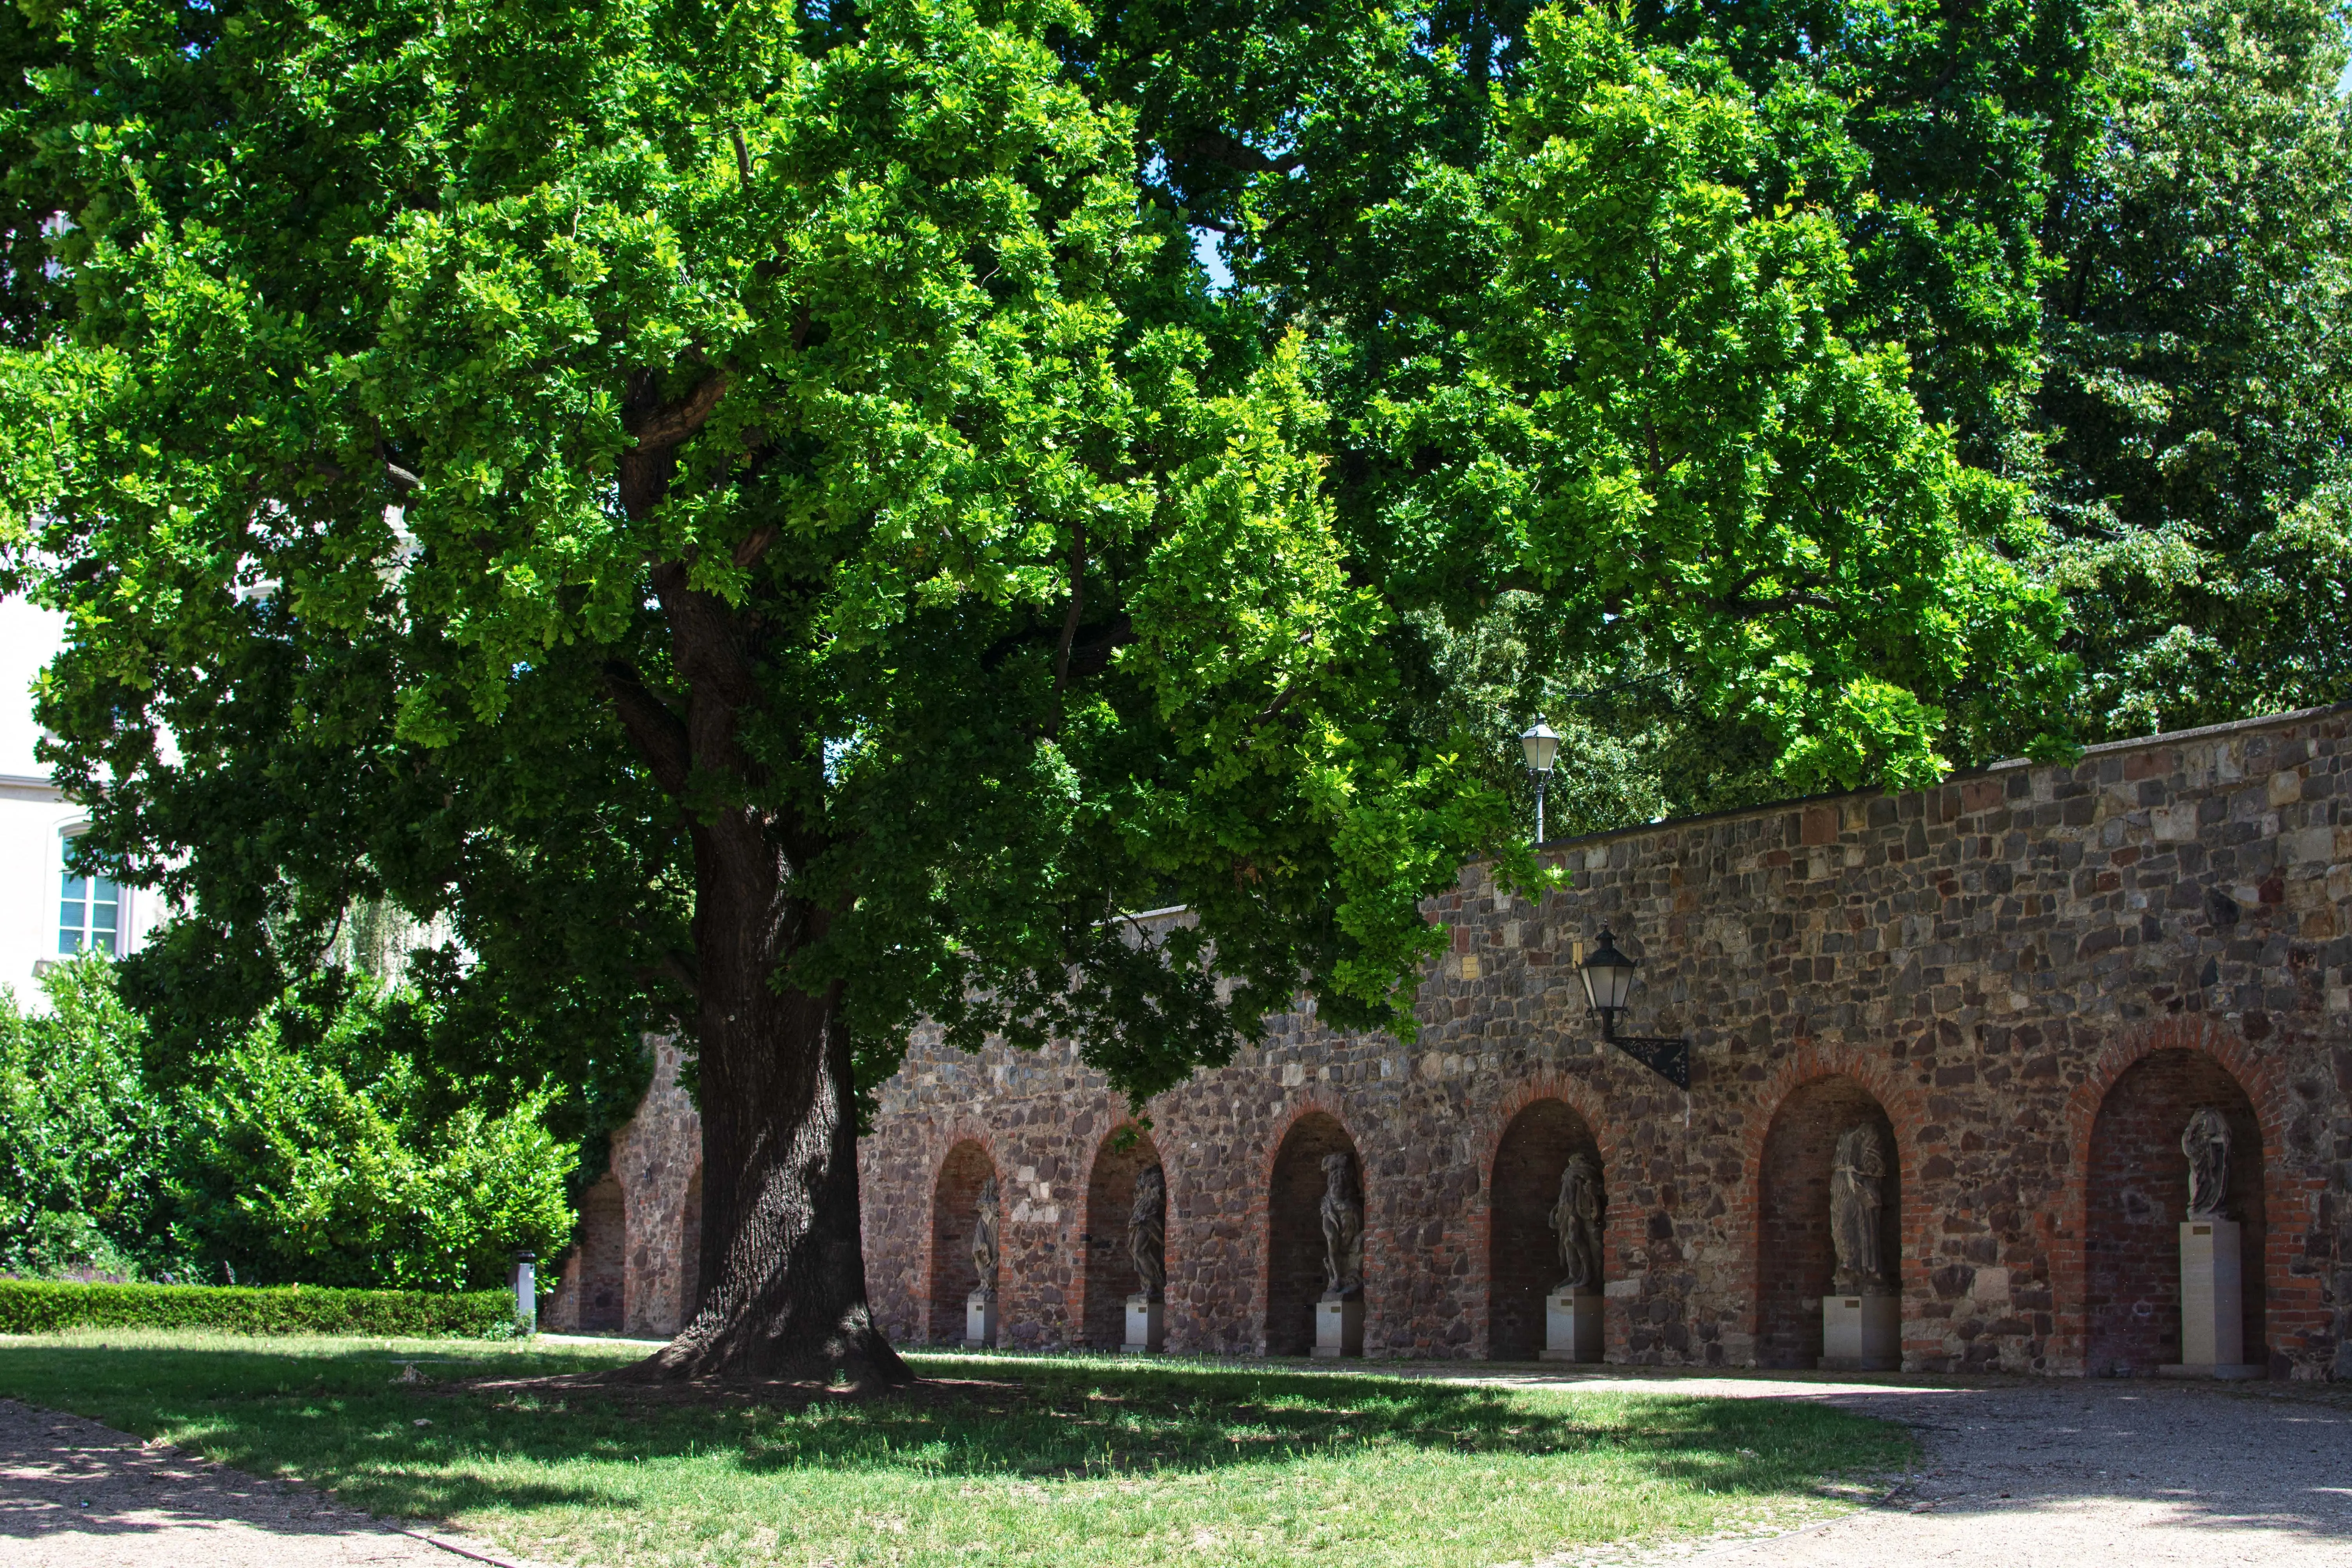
x: 529, y: 1431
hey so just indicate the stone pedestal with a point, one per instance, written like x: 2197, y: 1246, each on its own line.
x: 1338, y: 1328
x: 1861, y: 1333
x: 1572, y: 1326
x: 2212, y: 1304
x: 1146, y: 1325
x: 980, y: 1319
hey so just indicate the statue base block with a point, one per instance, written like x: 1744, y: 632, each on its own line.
x: 980, y: 1319
x: 1572, y: 1325
x: 2232, y: 1372
x: 1861, y: 1333
x: 1338, y: 1328
x: 2212, y: 1320
x: 1147, y: 1324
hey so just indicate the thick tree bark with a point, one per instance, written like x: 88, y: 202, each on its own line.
x: 783, y: 1270
x: 783, y: 1266
x: 780, y: 1249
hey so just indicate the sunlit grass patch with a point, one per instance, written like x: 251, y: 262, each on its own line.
x: 1074, y: 1460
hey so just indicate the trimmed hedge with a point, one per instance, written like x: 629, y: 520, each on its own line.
x: 47, y: 1307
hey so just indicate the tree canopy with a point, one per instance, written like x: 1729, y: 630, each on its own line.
x: 760, y: 519
x: 2198, y: 399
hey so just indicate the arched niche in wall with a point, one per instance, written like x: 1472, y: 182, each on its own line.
x: 1796, y: 1259
x: 955, y: 1212
x: 1523, y: 1254
x: 1294, y: 1251
x: 690, y: 1250
x: 2138, y: 1192
x: 1111, y: 1275
x: 604, y: 1257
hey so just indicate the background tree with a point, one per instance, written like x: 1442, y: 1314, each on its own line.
x: 759, y: 521
x: 1328, y: 160
x: 2198, y: 402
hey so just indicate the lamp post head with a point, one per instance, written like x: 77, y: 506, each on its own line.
x: 1542, y: 745
x: 1608, y: 976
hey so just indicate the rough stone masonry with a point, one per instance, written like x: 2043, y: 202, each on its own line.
x: 2031, y: 977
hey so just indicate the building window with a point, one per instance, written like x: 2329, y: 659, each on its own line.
x: 85, y: 913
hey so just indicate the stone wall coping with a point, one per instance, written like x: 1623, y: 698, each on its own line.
x: 2005, y: 766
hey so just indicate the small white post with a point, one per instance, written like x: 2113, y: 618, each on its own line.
x: 526, y: 1294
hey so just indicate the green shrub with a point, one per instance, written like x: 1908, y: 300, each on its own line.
x: 48, y: 1307
x: 311, y: 1149
x: 293, y: 1171
x: 86, y: 1149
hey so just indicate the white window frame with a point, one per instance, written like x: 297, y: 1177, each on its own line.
x: 88, y: 933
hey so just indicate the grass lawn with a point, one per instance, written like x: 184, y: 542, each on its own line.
x: 1047, y: 1460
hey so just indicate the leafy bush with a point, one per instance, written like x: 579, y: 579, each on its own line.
x: 295, y: 1173
x: 312, y: 1150
x: 86, y: 1149
x: 46, y: 1306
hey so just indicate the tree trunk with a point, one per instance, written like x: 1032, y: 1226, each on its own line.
x: 785, y: 1270
x: 782, y: 1274
x: 783, y: 1266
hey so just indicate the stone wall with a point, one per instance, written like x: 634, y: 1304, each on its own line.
x: 631, y: 1265
x: 1982, y: 962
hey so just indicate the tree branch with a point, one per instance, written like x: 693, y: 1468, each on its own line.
x: 668, y: 424
x: 1216, y: 147
x: 393, y: 471
x: 659, y: 735
x: 1077, y: 603
x: 755, y: 544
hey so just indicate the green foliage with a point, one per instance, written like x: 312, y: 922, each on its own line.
x: 613, y: 482
x: 86, y: 1149
x: 2199, y: 396
x: 313, y: 1149
x: 1663, y: 435
x: 49, y: 1306
x: 308, y: 1166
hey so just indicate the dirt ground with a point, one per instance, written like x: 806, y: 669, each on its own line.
x: 74, y: 1494
x: 2017, y: 1475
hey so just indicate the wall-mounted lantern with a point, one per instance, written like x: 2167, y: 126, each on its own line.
x: 1608, y: 983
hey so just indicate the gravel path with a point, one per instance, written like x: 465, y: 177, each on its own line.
x: 2059, y: 1474
x: 2068, y: 1474
x: 2131, y: 1474
x: 74, y: 1494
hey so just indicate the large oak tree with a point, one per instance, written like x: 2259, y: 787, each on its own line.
x: 760, y: 520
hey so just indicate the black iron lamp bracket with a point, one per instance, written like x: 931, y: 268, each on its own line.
x: 1669, y: 1057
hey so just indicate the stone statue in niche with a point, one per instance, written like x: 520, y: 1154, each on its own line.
x: 1576, y: 1220
x: 984, y: 1236
x: 2206, y: 1141
x: 1343, y: 1230
x: 1146, y: 1233
x: 1857, y: 1198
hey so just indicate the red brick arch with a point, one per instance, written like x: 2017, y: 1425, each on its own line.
x: 1623, y: 1226
x: 2294, y: 1310
x: 1905, y: 1107
x: 1085, y: 1281
x: 1573, y: 1092
x: 1258, y: 1222
x: 951, y: 1135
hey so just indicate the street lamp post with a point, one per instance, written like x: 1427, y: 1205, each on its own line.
x: 1542, y: 747
x: 1608, y: 982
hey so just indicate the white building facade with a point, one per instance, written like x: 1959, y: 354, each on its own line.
x: 47, y: 912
